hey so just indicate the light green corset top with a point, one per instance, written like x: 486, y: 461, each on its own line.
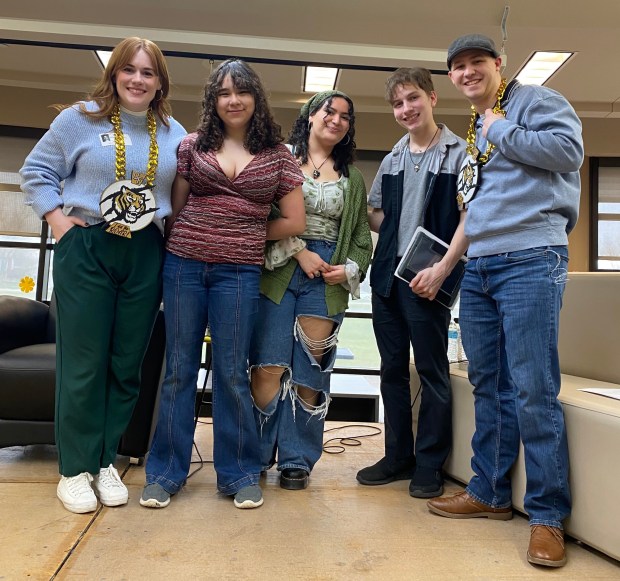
x: 324, y: 205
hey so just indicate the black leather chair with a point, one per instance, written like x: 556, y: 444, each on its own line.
x: 27, y: 378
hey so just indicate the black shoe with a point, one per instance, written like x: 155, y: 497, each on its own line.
x: 294, y: 479
x: 383, y: 472
x: 426, y: 483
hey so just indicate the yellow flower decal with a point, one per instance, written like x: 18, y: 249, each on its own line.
x: 26, y: 284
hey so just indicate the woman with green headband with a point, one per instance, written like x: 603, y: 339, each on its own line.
x: 305, y: 288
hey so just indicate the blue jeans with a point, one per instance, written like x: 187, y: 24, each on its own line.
x: 509, y: 316
x: 286, y: 426
x: 224, y: 296
x: 399, y: 320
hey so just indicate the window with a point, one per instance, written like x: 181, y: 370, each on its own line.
x: 24, y: 248
x: 357, y: 348
x: 605, y: 237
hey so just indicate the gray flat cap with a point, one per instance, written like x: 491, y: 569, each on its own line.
x: 471, y: 42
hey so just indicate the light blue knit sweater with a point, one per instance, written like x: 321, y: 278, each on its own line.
x: 73, y: 150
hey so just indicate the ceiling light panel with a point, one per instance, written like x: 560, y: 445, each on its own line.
x: 541, y: 66
x: 103, y: 56
x: 319, y: 79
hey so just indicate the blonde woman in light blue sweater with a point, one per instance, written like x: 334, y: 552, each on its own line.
x: 101, y: 177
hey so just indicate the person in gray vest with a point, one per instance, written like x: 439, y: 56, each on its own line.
x: 415, y: 186
x: 520, y: 185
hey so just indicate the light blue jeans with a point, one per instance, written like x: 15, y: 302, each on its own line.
x: 224, y: 296
x: 509, y: 317
x: 285, y: 426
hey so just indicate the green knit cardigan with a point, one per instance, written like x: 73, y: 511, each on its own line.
x: 354, y: 242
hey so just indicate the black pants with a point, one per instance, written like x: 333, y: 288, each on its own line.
x: 399, y: 320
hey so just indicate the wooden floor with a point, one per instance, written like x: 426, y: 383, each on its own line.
x: 336, y: 529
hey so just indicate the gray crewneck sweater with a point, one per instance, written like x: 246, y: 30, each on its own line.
x: 530, y: 187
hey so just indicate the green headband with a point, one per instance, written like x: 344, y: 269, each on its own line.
x: 313, y: 102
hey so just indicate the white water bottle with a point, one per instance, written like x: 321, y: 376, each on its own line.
x: 453, y: 338
x: 460, y: 352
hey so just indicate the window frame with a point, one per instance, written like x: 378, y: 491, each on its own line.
x: 595, y: 164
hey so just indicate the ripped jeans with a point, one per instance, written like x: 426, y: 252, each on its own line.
x: 509, y: 317
x: 287, y: 427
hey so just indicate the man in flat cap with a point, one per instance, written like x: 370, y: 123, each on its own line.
x: 520, y: 185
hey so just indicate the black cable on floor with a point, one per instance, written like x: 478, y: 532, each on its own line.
x: 416, y: 396
x: 201, y: 461
x: 348, y: 440
x: 328, y: 448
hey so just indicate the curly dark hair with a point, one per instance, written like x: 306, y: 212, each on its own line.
x: 262, y: 133
x: 343, y: 152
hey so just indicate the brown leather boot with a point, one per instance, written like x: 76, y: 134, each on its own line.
x: 462, y: 505
x: 546, y: 546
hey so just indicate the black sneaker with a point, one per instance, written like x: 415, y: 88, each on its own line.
x: 426, y: 483
x: 383, y: 472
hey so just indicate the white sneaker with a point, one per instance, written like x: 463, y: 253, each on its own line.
x: 109, y: 487
x: 76, y: 494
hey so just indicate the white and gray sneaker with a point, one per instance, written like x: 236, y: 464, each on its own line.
x: 76, y: 494
x: 249, y: 497
x: 109, y: 487
x: 155, y: 496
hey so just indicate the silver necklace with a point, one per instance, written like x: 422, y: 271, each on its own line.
x: 416, y: 166
x: 316, y: 173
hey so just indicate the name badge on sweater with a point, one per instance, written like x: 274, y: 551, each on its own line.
x: 107, y: 139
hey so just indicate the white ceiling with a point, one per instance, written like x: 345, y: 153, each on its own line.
x: 375, y: 33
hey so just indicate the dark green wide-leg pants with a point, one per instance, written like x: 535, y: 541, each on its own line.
x: 108, y: 292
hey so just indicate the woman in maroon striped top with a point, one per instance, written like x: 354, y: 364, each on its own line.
x: 229, y: 172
